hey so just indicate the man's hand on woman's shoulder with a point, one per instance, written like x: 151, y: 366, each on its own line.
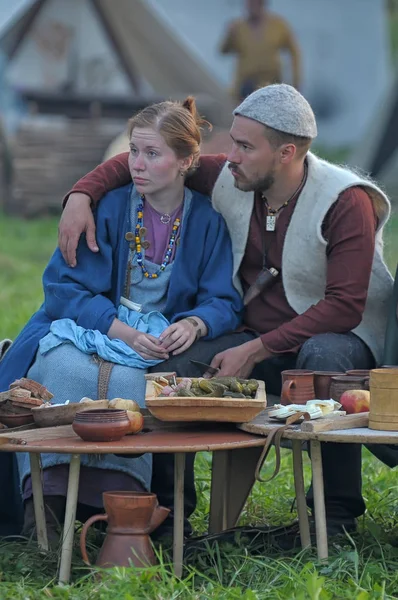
x: 77, y: 218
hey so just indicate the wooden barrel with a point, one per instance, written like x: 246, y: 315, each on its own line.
x: 383, y: 413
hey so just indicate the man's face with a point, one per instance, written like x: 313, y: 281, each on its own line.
x: 255, y: 8
x: 252, y: 161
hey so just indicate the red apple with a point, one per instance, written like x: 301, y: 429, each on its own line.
x: 136, y: 421
x: 355, y: 401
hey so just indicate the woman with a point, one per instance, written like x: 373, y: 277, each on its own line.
x: 164, y: 254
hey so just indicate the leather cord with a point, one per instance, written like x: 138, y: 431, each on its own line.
x: 276, y: 436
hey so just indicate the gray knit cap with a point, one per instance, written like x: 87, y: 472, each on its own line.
x: 281, y: 107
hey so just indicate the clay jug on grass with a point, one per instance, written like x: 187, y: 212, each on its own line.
x: 131, y: 517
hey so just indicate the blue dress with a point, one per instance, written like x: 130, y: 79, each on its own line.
x: 66, y: 363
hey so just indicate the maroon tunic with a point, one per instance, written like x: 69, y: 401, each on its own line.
x: 349, y: 227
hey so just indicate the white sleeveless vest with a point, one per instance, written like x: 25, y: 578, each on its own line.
x: 304, y: 262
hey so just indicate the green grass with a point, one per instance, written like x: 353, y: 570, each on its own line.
x: 364, y: 567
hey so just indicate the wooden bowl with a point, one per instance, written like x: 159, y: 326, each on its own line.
x: 63, y: 414
x: 17, y: 420
x: 222, y: 410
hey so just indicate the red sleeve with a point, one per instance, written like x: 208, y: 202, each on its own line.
x: 349, y: 227
x: 107, y: 176
x: 115, y: 172
x: 205, y: 176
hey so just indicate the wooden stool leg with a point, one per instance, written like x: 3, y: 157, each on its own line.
x: 232, y: 479
x: 219, y: 491
x: 70, y: 517
x: 319, y: 500
x: 241, y: 478
x: 178, y: 533
x: 300, y: 494
x: 38, y: 500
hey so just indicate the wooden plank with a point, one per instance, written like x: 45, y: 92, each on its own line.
x: 333, y: 424
x: 261, y: 425
x: 45, y: 433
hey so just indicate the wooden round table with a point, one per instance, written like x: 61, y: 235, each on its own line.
x: 235, y: 455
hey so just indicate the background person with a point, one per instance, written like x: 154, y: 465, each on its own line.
x: 258, y: 41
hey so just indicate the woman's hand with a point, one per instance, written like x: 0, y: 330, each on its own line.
x: 179, y: 336
x: 76, y: 218
x: 146, y: 345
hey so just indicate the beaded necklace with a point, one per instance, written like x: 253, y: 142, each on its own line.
x: 140, y: 259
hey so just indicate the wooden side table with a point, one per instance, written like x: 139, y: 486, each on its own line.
x: 261, y: 425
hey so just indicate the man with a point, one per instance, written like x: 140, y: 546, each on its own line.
x: 258, y: 41
x: 320, y: 226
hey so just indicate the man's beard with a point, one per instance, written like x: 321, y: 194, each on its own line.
x: 258, y: 185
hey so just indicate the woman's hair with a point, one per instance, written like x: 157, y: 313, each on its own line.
x: 179, y: 123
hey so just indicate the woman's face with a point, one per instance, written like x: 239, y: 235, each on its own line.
x: 153, y: 165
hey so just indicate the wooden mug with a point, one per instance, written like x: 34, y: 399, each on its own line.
x: 297, y: 386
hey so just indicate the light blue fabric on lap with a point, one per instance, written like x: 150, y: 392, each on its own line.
x: 92, y: 341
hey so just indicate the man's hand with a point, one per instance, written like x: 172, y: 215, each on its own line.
x: 77, y: 217
x: 240, y: 361
x: 178, y: 337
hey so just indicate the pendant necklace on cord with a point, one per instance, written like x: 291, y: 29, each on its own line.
x: 165, y: 219
x: 270, y: 222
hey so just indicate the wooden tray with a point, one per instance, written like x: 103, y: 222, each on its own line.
x: 222, y: 410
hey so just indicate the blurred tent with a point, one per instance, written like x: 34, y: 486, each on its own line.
x: 83, y: 67
x: 63, y: 54
x: 377, y: 153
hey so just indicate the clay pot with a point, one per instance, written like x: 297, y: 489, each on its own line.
x: 101, y: 425
x: 297, y: 386
x: 342, y: 383
x: 322, y: 381
x: 358, y: 372
x: 131, y: 517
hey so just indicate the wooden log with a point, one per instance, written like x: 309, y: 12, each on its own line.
x: 333, y: 424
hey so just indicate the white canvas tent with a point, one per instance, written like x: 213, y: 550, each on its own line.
x: 118, y: 48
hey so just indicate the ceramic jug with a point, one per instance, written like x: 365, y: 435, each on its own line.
x: 131, y: 517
